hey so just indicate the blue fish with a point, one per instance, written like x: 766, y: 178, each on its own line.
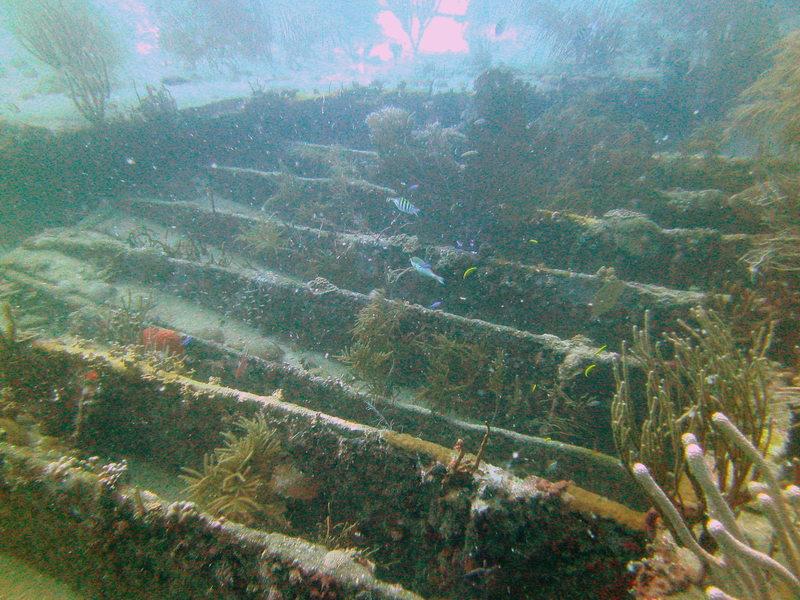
x: 423, y: 268
x: 436, y: 305
x: 405, y: 206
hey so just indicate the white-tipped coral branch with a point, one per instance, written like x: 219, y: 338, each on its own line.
x: 737, y: 568
x: 784, y: 522
x: 695, y: 459
x: 751, y: 580
x: 671, y: 514
x: 714, y: 593
x: 750, y: 556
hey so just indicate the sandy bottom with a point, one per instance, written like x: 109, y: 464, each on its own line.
x: 20, y: 581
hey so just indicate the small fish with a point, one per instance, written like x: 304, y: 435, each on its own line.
x: 551, y: 468
x: 130, y: 161
x: 499, y: 27
x: 423, y: 268
x: 533, y: 241
x: 469, y: 153
x: 593, y: 404
x: 601, y: 349
x: 177, y: 80
x: 533, y: 387
x: 469, y: 272
x: 435, y: 305
x: 404, y: 206
x: 479, y: 122
x: 589, y: 369
x: 479, y: 575
x: 413, y: 187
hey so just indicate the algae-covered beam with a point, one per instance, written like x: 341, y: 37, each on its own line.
x: 322, y: 314
x: 430, y: 530
x: 325, y: 184
x: 115, y: 540
x: 505, y: 292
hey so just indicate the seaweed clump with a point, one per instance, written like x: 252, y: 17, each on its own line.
x: 124, y: 323
x: 235, y: 481
x: 158, y: 106
x: 8, y: 336
x: 690, y: 377
x: 770, y: 111
x: 390, y: 129
x: 11, y: 345
x: 124, y: 326
x: 460, y: 376
x: 777, y: 203
x: 381, y: 344
x: 532, y: 152
x: 464, y: 378
x: 184, y: 248
x: 266, y: 238
x: 771, y: 105
x: 456, y: 371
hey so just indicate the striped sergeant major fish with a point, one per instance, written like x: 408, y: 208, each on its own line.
x: 423, y: 268
x: 404, y: 206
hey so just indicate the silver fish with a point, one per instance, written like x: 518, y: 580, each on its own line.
x: 423, y: 268
x: 405, y: 206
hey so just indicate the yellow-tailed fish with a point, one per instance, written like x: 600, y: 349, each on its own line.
x: 533, y: 241
x: 589, y: 369
x: 533, y: 387
x: 469, y: 271
x: 601, y: 349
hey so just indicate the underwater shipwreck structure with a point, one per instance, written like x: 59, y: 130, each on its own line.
x: 229, y: 380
